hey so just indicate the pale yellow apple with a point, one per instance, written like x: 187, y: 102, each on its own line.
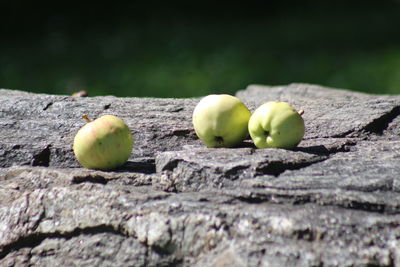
x: 221, y: 120
x: 105, y: 143
x: 276, y: 124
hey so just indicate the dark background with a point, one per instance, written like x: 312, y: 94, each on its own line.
x: 194, y: 48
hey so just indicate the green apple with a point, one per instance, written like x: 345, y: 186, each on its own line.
x: 221, y: 120
x: 276, y: 124
x: 105, y: 143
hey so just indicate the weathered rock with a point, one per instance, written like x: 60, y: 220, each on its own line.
x: 333, y: 201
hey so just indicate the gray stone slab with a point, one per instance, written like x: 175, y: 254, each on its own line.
x: 332, y: 201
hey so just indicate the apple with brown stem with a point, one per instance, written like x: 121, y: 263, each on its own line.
x: 105, y: 143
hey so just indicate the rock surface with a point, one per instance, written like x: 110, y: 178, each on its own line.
x: 333, y: 201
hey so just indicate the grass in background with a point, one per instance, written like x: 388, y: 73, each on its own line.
x: 170, y: 55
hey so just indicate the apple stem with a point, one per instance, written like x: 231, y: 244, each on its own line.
x: 301, y: 112
x: 86, y: 118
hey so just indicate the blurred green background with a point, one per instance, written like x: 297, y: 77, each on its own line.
x: 194, y: 48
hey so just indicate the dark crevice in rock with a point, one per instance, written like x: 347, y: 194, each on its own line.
x: 51, y: 103
x: 276, y: 199
x: 179, y: 109
x: 107, y: 106
x: 146, y: 256
x: 98, y: 179
x: 236, y: 171
x: 42, y: 158
x: 386, y: 186
x: 33, y: 240
x: 145, y: 167
x: 48, y: 106
x: 317, y: 199
x: 165, y: 250
x: 343, y: 147
x: 276, y: 168
x: 322, y: 150
x: 319, y: 150
x: 181, y: 132
x: 367, y: 206
x: 174, y: 262
x: 305, y: 234
x: 349, y: 133
x: 254, y: 199
x: 171, y: 165
x: 189, y: 133
x: 379, y: 125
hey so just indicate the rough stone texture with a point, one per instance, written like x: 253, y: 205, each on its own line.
x: 333, y: 201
